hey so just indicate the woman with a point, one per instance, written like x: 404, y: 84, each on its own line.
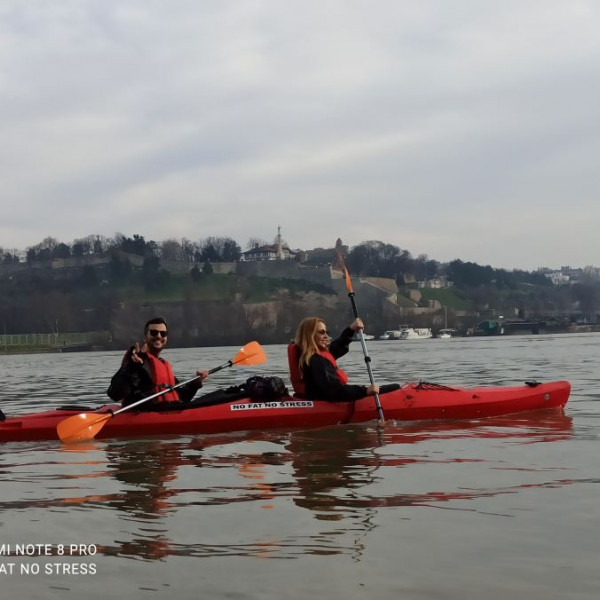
x: 313, y: 368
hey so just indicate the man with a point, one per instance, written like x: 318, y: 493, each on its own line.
x: 143, y: 373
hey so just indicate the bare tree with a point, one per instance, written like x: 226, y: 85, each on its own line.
x: 253, y: 242
x: 171, y: 250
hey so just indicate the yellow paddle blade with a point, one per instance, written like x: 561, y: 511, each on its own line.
x: 251, y: 354
x: 81, y: 427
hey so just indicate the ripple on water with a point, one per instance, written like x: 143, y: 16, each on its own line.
x: 342, y: 509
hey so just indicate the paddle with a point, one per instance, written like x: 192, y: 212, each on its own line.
x: 85, y: 426
x: 361, y: 337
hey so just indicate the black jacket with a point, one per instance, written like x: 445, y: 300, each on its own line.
x: 133, y: 381
x: 321, y: 379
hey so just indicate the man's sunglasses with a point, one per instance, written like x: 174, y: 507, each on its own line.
x: 157, y: 332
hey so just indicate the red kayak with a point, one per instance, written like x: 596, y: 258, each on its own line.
x: 412, y: 402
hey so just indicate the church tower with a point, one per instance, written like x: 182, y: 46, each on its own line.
x: 280, y: 255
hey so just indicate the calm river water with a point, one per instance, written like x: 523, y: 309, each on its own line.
x: 491, y: 509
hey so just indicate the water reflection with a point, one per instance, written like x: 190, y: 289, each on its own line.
x: 144, y: 470
x: 317, y: 491
x: 341, y: 475
x: 337, y: 469
x: 484, y: 502
x: 330, y: 465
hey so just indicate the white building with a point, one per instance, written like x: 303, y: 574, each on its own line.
x: 277, y: 251
x: 558, y: 278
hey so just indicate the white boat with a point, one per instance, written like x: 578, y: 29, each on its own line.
x: 391, y: 334
x: 415, y: 333
x: 366, y: 337
x: 447, y: 333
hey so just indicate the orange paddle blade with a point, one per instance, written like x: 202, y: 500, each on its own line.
x: 346, y: 274
x: 251, y: 354
x: 81, y: 427
x: 348, y: 280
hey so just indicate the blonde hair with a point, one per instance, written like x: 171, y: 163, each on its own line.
x: 305, y: 340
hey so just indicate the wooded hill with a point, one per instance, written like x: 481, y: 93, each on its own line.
x: 211, y: 301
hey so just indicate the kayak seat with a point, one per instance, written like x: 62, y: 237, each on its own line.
x: 220, y: 396
x: 78, y: 408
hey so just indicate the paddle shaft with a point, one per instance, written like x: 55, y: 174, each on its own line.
x: 170, y: 388
x: 361, y: 337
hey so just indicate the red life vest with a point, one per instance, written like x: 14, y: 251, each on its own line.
x: 342, y: 375
x: 293, y: 352
x: 163, y: 377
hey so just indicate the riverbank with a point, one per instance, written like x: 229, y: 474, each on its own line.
x: 38, y: 348
x: 42, y: 343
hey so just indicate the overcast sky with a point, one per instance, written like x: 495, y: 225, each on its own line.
x: 458, y: 129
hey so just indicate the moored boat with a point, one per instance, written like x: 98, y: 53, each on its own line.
x: 415, y: 333
x: 412, y: 402
x: 447, y: 333
x: 366, y: 336
x: 390, y: 334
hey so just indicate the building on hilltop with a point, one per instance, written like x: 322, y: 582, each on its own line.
x: 268, y: 252
x: 570, y: 276
x: 558, y: 278
x: 325, y: 256
x: 437, y: 283
x: 277, y: 251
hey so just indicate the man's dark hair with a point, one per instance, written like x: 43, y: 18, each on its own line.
x: 154, y: 321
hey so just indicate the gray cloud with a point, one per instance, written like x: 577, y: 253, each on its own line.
x: 461, y: 130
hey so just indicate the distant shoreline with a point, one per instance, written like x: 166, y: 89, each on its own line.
x: 36, y: 349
